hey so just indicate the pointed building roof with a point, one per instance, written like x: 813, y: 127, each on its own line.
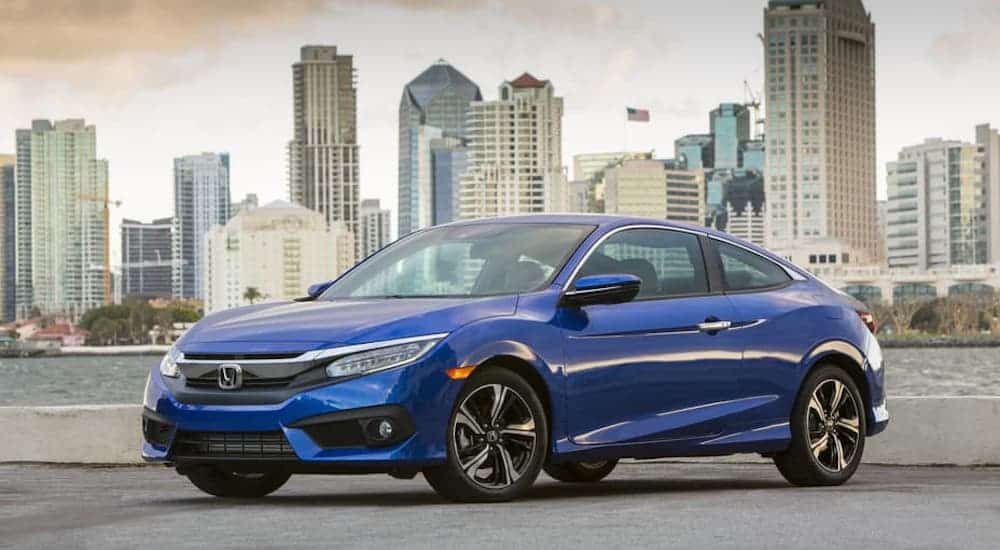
x: 435, y: 80
x: 527, y: 80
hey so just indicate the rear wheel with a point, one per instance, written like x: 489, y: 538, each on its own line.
x: 828, y: 431
x: 581, y: 472
x: 222, y: 483
x: 497, y: 438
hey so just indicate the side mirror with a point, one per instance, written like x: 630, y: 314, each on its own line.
x: 314, y: 291
x: 602, y: 289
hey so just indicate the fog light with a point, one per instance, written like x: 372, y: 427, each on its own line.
x: 385, y: 428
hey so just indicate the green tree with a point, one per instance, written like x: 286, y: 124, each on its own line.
x: 252, y: 294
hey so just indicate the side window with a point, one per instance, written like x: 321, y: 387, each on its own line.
x: 744, y: 270
x: 669, y: 263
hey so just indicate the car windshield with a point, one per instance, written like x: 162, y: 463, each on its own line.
x: 464, y: 261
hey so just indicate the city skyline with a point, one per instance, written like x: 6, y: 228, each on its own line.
x: 631, y: 73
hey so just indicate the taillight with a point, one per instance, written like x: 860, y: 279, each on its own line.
x: 869, y: 320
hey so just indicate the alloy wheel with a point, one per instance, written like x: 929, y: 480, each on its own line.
x: 494, y: 436
x: 833, y: 424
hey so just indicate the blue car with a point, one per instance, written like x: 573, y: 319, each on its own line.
x: 481, y: 353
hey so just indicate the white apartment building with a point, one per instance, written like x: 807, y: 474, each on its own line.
x: 936, y: 202
x: 515, y: 152
x: 279, y: 249
x: 375, y: 231
x: 61, y: 190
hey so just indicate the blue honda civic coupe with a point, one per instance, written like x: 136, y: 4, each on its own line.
x: 481, y: 353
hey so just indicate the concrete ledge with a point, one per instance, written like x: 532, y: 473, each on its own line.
x: 962, y: 431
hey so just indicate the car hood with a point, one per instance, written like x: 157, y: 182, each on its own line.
x: 302, y: 326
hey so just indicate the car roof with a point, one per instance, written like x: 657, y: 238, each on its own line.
x: 606, y: 222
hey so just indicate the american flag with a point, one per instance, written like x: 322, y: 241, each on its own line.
x: 637, y: 115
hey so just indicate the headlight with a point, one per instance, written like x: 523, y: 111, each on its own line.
x: 379, y: 359
x: 168, y: 365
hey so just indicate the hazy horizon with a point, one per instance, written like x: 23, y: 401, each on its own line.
x: 162, y: 82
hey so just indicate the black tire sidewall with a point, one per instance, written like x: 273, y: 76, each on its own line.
x: 468, y: 488
x: 800, y: 430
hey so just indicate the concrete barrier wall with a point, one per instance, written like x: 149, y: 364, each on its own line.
x: 923, y: 431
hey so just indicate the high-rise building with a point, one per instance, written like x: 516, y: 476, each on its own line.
x: 733, y: 168
x: 988, y: 140
x: 147, y: 268
x: 432, y: 132
x: 61, y: 189
x: 657, y: 189
x: 7, y: 243
x: 278, y: 249
x: 820, y: 94
x: 374, y: 227
x: 936, y: 204
x: 201, y: 201
x: 515, y: 152
x: 323, y: 152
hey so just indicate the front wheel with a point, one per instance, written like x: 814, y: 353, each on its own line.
x: 828, y: 431
x: 221, y: 483
x: 497, y: 438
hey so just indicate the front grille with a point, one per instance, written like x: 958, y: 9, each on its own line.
x: 246, y: 445
x: 212, y: 381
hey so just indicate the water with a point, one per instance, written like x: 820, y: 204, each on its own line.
x: 120, y: 379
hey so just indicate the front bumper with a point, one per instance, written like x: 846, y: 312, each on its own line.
x: 326, y: 428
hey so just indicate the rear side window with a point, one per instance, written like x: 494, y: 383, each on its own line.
x: 744, y: 270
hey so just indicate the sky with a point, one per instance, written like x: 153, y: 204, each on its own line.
x: 165, y: 78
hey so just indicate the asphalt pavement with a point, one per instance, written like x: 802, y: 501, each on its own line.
x: 643, y: 505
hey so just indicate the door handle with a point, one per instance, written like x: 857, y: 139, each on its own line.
x: 714, y: 326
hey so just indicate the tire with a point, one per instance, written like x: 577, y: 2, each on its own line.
x: 494, y: 453
x: 221, y: 483
x: 581, y: 472
x: 837, y: 434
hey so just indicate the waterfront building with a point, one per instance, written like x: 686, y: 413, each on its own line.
x: 515, y: 152
x: 279, y: 249
x: 432, y: 145
x: 147, y: 265
x: 201, y: 201
x: 988, y: 140
x: 61, y: 194
x: 936, y: 202
x: 375, y: 232
x: 323, y: 153
x: 820, y: 95
x: 7, y: 243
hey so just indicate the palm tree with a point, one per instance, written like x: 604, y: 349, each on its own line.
x: 251, y: 294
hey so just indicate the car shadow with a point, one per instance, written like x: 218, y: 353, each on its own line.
x: 543, y: 491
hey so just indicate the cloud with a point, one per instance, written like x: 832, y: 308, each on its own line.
x: 974, y: 43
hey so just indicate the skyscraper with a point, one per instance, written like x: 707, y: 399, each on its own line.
x: 147, y: 249
x: 432, y: 131
x: 374, y: 227
x: 323, y: 152
x: 653, y: 188
x: 201, y: 201
x: 730, y: 128
x: 821, y: 174
x: 7, y: 243
x: 61, y: 189
x: 515, y: 152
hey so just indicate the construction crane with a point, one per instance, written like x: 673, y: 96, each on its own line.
x: 107, y: 203
x: 752, y: 102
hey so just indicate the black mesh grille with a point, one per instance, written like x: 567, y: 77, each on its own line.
x: 212, y: 381
x: 252, y: 445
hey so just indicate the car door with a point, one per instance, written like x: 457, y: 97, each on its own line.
x: 661, y: 367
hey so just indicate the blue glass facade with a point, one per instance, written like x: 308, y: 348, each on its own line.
x: 730, y: 125
x: 696, y: 151
x: 7, y: 189
x: 448, y: 166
